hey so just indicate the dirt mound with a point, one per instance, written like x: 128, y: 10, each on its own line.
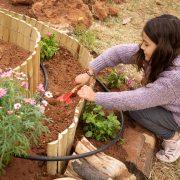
x: 73, y: 11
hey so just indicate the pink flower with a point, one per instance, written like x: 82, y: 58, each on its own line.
x: 7, y: 73
x: 42, y: 109
x: 9, y: 112
x: 45, y: 103
x: 40, y: 88
x: 130, y: 83
x: 48, y: 94
x: 30, y: 101
x: 2, y: 92
x: 25, y: 85
x: 49, y: 34
x: 17, y: 106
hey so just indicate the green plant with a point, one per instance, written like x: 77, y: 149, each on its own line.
x: 21, y: 118
x: 99, y: 125
x: 49, y: 46
x: 85, y: 36
x: 114, y: 79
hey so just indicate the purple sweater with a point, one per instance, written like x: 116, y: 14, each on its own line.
x: 165, y: 91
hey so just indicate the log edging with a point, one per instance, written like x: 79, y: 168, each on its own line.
x: 19, y: 32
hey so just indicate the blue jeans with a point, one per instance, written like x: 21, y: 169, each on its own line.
x: 156, y: 119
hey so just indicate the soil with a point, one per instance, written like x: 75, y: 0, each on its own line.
x: 22, y: 9
x: 69, y: 12
x: 11, y: 55
x: 62, y: 70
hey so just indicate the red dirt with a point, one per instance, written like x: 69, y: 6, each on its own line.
x: 62, y: 70
x: 69, y: 12
x: 6, y: 4
x: 11, y: 55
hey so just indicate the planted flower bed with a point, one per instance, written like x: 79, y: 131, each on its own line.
x: 60, y: 82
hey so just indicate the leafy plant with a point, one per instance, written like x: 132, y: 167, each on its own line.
x: 85, y: 36
x: 99, y: 125
x: 21, y: 118
x: 49, y: 46
x: 114, y: 79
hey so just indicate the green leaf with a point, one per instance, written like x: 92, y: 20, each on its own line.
x: 88, y: 134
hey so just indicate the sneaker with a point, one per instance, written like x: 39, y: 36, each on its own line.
x: 171, y: 151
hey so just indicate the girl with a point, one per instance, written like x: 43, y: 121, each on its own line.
x: 156, y: 105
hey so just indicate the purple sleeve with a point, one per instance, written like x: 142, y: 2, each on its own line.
x: 154, y: 94
x: 113, y: 56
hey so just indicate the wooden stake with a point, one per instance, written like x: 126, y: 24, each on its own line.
x: 52, y: 151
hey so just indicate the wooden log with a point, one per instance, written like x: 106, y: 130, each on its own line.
x: 71, y: 134
x: 33, y: 22
x: 103, y: 163
x: 23, y: 67
x: 35, y: 64
x: 52, y: 151
x: 62, y: 148
x: 70, y: 172
x: 39, y: 26
x: 33, y: 39
x: 20, y: 35
x: 30, y: 74
x: 1, y: 25
x: 87, y: 171
x: 84, y: 57
x: 6, y: 27
x: 27, y: 29
x: 14, y: 30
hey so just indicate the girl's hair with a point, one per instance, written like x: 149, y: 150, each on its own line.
x: 164, y: 31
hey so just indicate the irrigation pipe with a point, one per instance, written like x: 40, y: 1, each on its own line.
x: 67, y: 158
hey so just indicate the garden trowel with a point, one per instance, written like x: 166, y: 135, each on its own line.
x: 67, y: 96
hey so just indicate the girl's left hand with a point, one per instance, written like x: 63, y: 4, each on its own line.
x: 87, y: 93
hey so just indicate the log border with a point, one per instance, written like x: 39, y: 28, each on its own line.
x: 19, y: 32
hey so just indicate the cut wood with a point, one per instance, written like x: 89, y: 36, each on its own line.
x: 100, y: 166
x: 82, y: 168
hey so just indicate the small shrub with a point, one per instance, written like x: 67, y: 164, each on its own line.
x: 115, y: 80
x: 99, y: 125
x: 21, y: 118
x: 85, y: 36
x: 49, y: 46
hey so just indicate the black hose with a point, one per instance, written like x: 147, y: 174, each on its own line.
x: 45, y: 75
x: 67, y: 158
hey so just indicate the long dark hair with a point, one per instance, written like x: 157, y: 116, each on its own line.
x: 164, y: 31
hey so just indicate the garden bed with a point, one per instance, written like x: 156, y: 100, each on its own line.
x: 62, y: 69
x: 11, y: 55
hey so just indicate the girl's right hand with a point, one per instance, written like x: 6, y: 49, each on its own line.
x: 82, y: 79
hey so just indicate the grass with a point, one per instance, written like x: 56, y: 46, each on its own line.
x: 112, y: 32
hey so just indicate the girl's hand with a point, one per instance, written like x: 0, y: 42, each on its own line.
x: 87, y: 93
x: 82, y: 79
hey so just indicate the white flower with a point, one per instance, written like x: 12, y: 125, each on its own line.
x: 17, y: 106
x: 48, y: 94
x: 45, y: 103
